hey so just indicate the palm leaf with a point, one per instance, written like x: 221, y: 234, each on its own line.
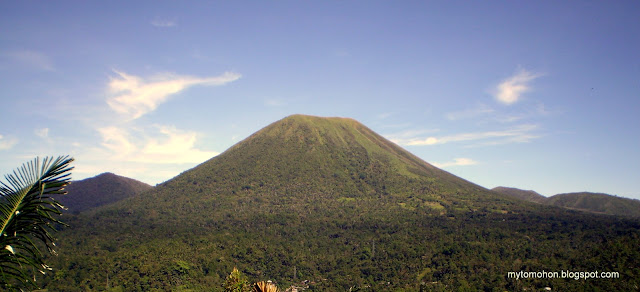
x: 26, y: 213
x: 265, y: 287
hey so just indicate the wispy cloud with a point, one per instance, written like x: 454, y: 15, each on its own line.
x: 139, y: 151
x: 7, y: 143
x: 166, y: 145
x: 134, y: 96
x: 510, y: 90
x: 116, y: 140
x: 456, y: 162
x: 519, y: 134
x: 31, y: 59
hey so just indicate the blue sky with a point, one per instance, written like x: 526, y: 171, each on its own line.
x: 540, y: 95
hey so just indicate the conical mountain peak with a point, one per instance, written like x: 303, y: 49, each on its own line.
x: 307, y: 158
x: 334, y: 134
x: 312, y: 129
x: 324, y: 198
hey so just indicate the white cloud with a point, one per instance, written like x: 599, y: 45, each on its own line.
x: 132, y: 148
x: 510, y: 90
x: 42, y: 133
x: 117, y: 141
x: 7, y: 143
x: 519, y: 134
x: 135, y: 96
x: 32, y: 59
x: 168, y: 145
x: 176, y: 147
x: 456, y: 162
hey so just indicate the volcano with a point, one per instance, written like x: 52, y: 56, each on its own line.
x: 327, y: 204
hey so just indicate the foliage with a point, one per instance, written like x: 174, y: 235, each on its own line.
x: 236, y: 282
x: 26, y: 213
x: 530, y: 196
x: 330, y: 205
x: 584, y: 201
x: 598, y: 203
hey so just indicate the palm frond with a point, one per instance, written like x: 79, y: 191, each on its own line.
x: 26, y: 213
x: 265, y: 287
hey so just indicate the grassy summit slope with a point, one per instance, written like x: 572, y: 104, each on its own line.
x: 330, y: 201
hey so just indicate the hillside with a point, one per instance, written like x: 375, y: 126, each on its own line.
x: 328, y: 204
x: 581, y: 201
x: 597, y: 203
x: 103, y: 189
x: 530, y: 196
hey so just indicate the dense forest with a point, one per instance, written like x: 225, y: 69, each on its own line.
x: 349, y: 246
x: 329, y: 205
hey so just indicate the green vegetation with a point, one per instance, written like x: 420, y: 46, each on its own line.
x: 27, y: 219
x: 236, y: 282
x: 597, y: 203
x: 330, y: 205
x: 530, y: 196
x: 100, y: 190
x: 584, y: 201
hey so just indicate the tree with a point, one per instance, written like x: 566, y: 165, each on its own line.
x: 236, y: 282
x: 27, y: 211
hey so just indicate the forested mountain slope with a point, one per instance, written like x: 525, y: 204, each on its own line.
x: 530, y: 196
x: 582, y: 201
x: 329, y: 201
x: 103, y: 189
x: 597, y: 203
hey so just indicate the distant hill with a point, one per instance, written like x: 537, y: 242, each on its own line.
x: 597, y: 203
x: 530, y: 196
x: 100, y: 190
x: 329, y: 204
x: 582, y: 201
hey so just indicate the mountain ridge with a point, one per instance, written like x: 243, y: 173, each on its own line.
x: 599, y: 203
x: 527, y: 195
x: 102, y: 189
